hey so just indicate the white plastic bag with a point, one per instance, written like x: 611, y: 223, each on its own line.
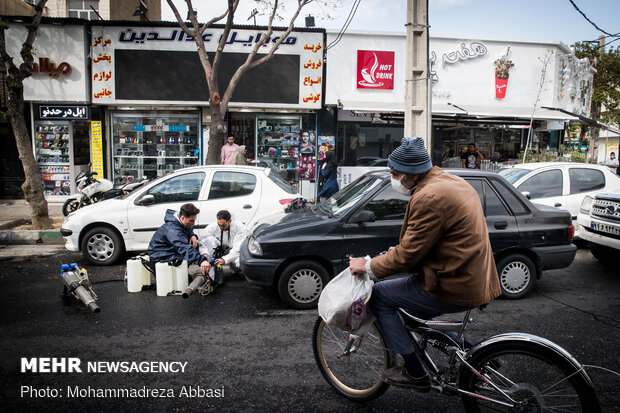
x: 344, y: 302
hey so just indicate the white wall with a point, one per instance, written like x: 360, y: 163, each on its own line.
x: 61, y: 44
x: 463, y: 74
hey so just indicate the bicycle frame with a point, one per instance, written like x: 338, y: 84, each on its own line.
x: 425, y: 332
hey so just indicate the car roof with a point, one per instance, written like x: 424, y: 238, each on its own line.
x: 384, y: 172
x: 538, y: 165
x: 221, y: 167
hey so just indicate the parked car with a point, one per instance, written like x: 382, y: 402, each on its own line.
x: 299, y: 254
x: 105, y: 230
x: 561, y: 184
x: 599, y: 222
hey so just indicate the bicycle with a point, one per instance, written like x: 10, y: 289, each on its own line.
x: 506, y: 372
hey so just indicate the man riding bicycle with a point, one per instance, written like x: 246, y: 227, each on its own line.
x: 444, y: 241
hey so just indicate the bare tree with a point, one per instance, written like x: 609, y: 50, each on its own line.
x: 218, y: 103
x: 546, y: 60
x: 14, y: 78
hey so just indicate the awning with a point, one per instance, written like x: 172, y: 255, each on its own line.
x: 490, y: 112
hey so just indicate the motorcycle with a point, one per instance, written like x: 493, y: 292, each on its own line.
x: 94, y: 190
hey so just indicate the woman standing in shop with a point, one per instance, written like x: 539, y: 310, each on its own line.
x: 240, y: 156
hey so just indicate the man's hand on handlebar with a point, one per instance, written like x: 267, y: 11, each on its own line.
x: 357, y: 265
x: 219, y: 261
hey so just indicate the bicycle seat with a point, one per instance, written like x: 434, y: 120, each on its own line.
x: 415, y: 322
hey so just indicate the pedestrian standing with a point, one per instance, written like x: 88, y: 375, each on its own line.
x: 229, y: 151
x: 612, y: 163
x: 471, y: 157
x: 240, y: 157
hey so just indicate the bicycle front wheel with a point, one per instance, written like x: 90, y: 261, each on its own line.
x: 352, y: 365
x: 528, y: 377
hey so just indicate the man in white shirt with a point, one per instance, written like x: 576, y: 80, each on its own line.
x: 612, y: 163
x: 224, y: 233
x: 229, y: 151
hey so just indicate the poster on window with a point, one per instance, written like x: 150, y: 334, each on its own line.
x: 307, y: 168
x: 326, y: 143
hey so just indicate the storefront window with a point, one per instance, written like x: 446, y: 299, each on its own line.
x: 366, y: 144
x: 152, y: 144
x: 52, y: 154
x: 279, y: 144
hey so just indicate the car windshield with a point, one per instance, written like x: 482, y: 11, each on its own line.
x: 345, y: 199
x: 512, y: 174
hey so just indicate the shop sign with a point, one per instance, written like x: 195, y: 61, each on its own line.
x: 118, y: 53
x: 96, y: 148
x: 375, y: 69
x: 63, y: 112
x: 46, y: 66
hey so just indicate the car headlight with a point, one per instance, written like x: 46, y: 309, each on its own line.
x: 586, y: 205
x: 254, y: 247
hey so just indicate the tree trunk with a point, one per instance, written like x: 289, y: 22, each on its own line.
x: 33, y: 186
x: 217, y: 134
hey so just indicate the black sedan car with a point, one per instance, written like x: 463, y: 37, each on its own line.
x: 299, y: 254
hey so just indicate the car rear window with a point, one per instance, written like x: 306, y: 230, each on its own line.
x: 511, y: 199
x: 281, y: 183
x: 231, y: 184
x: 585, y: 179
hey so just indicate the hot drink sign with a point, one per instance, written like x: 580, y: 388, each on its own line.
x: 375, y: 70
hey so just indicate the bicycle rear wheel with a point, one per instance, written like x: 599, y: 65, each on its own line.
x: 535, y: 377
x: 351, y: 365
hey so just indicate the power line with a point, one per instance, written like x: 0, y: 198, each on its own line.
x: 590, y: 21
x: 347, y: 22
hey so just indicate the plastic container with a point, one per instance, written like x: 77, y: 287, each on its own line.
x: 137, y: 275
x: 180, y: 277
x: 165, y: 278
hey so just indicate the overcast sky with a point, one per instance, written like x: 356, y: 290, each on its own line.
x: 516, y: 19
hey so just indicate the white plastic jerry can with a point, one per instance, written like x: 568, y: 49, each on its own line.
x: 164, y: 276
x: 137, y: 274
x: 180, y: 277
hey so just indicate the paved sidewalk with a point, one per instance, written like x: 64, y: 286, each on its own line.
x: 14, y: 218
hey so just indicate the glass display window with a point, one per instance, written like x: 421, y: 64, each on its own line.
x: 278, y: 144
x: 51, y: 150
x: 152, y: 144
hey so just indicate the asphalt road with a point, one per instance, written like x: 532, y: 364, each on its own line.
x: 243, y: 345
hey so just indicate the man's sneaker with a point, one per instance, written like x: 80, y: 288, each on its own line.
x: 398, y: 376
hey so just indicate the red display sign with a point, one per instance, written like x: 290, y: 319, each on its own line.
x: 375, y: 70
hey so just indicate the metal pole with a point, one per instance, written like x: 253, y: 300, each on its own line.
x: 417, y: 102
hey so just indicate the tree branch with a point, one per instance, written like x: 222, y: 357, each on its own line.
x: 250, y: 63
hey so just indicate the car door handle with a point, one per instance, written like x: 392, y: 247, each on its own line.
x: 557, y: 205
x: 500, y: 225
x: 247, y: 206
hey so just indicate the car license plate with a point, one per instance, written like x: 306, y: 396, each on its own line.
x: 610, y: 229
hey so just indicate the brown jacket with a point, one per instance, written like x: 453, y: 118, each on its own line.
x: 444, y: 238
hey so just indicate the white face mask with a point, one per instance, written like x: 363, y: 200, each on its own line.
x: 399, y: 187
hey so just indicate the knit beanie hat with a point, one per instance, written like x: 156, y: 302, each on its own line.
x: 410, y: 157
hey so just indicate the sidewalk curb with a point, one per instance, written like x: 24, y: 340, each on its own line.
x: 20, y: 237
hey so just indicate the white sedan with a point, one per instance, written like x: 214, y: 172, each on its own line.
x: 105, y: 230
x: 561, y: 184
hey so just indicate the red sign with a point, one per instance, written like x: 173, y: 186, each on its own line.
x: 375, y: 70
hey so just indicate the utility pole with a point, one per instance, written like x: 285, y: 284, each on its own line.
x: 417, y: 93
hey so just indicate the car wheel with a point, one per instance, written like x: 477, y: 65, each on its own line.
x: 301, y: 283
x: 517, y: 275
x: 602, y: 253
x: 102, y: 246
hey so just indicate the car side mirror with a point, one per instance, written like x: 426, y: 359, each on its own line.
x: 147, y: 199
x: 527, y: 194
x: 363, y: 216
